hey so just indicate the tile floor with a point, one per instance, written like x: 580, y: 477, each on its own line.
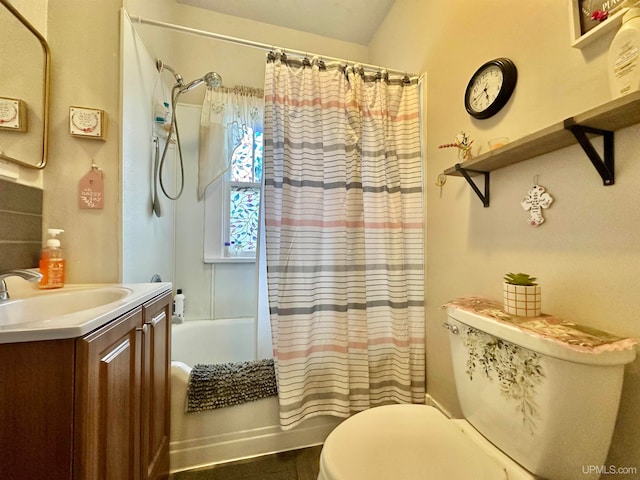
x: 293, y: 465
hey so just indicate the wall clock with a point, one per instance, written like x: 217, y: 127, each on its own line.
x: 490, y: 88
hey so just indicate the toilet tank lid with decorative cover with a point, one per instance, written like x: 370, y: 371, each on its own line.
x: 546, y: 334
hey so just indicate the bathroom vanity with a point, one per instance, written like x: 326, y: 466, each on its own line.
x: 94, y: 406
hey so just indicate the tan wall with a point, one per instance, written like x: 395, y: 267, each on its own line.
x: 22, y: 67
x: 84, y: 40
x: 587, y: 253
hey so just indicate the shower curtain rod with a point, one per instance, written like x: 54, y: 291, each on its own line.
x: 262, y: 46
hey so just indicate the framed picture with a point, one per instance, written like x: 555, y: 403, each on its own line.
x: 87, y: 123
x: 585, y: 29
x: 13, y: 114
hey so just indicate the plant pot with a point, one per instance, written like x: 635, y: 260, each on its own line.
x: 523, y: 301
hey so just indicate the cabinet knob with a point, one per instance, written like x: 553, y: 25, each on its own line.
x: 142, y: 329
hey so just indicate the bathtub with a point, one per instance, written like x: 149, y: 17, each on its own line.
x: 230, y: 433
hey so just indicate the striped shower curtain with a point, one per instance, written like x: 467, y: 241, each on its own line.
x: 344, y: 238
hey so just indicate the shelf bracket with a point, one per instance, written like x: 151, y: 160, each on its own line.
x: 606, y: 166
x: 465, y: 173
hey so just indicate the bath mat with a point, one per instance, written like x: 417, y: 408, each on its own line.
x: 227, y: 384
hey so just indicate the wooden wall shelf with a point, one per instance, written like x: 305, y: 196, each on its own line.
x: 603, y: 120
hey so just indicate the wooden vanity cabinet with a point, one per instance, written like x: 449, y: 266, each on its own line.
x: 156, y: 380
x: 36, y: 410
x: 91, y: 408
x: 122, y: 397
x: 108, y: 387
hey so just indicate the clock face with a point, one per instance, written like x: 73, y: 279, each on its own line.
x: 490, y: 88
x: 485, y: 88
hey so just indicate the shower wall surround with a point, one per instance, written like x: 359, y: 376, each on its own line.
x: 213, y: 290
x: 20, y: 225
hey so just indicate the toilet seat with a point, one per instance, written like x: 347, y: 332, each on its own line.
x: 408, y: 442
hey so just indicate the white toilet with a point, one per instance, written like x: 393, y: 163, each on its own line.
x: 540, y: 398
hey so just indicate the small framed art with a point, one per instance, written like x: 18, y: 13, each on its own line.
x: 13, y: 114
x: 87, y: 123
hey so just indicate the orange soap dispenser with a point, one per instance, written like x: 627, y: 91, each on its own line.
x: 52, y: 262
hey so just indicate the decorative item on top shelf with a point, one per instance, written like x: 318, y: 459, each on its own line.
x: 592, y: 19
x: 497, y: 142
x: 535, y: 201
x: 463, y: 144
x: 522, y: 295
x: 623, y: 59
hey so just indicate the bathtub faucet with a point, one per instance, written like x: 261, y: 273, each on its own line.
x: 28, y: 275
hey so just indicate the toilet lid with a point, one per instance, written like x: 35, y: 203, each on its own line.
x: 408, y: 442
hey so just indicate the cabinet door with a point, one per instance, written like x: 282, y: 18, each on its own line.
x: 36, y: 410
x: 156, y: 393
x: 107, y: 420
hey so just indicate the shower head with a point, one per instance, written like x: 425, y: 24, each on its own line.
x: 212, y: 80
x: 191, y: 85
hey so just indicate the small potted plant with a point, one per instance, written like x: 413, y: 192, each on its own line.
x: 522, y: 295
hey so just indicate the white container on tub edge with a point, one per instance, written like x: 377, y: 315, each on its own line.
x: 178, y: 301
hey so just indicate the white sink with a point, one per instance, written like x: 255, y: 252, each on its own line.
x: 55, y: 303
x: 71, y: 311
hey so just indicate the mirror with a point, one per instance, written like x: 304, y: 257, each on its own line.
x: 25, y: 61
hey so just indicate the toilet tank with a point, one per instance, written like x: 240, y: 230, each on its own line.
x: 543, y: 390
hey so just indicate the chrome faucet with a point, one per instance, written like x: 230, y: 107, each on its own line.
x: 28, y: 275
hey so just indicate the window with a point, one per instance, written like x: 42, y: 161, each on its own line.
x: 232, y: 205
x: 244, y: 189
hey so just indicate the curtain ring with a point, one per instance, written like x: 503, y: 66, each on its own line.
x: 316, y: 60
